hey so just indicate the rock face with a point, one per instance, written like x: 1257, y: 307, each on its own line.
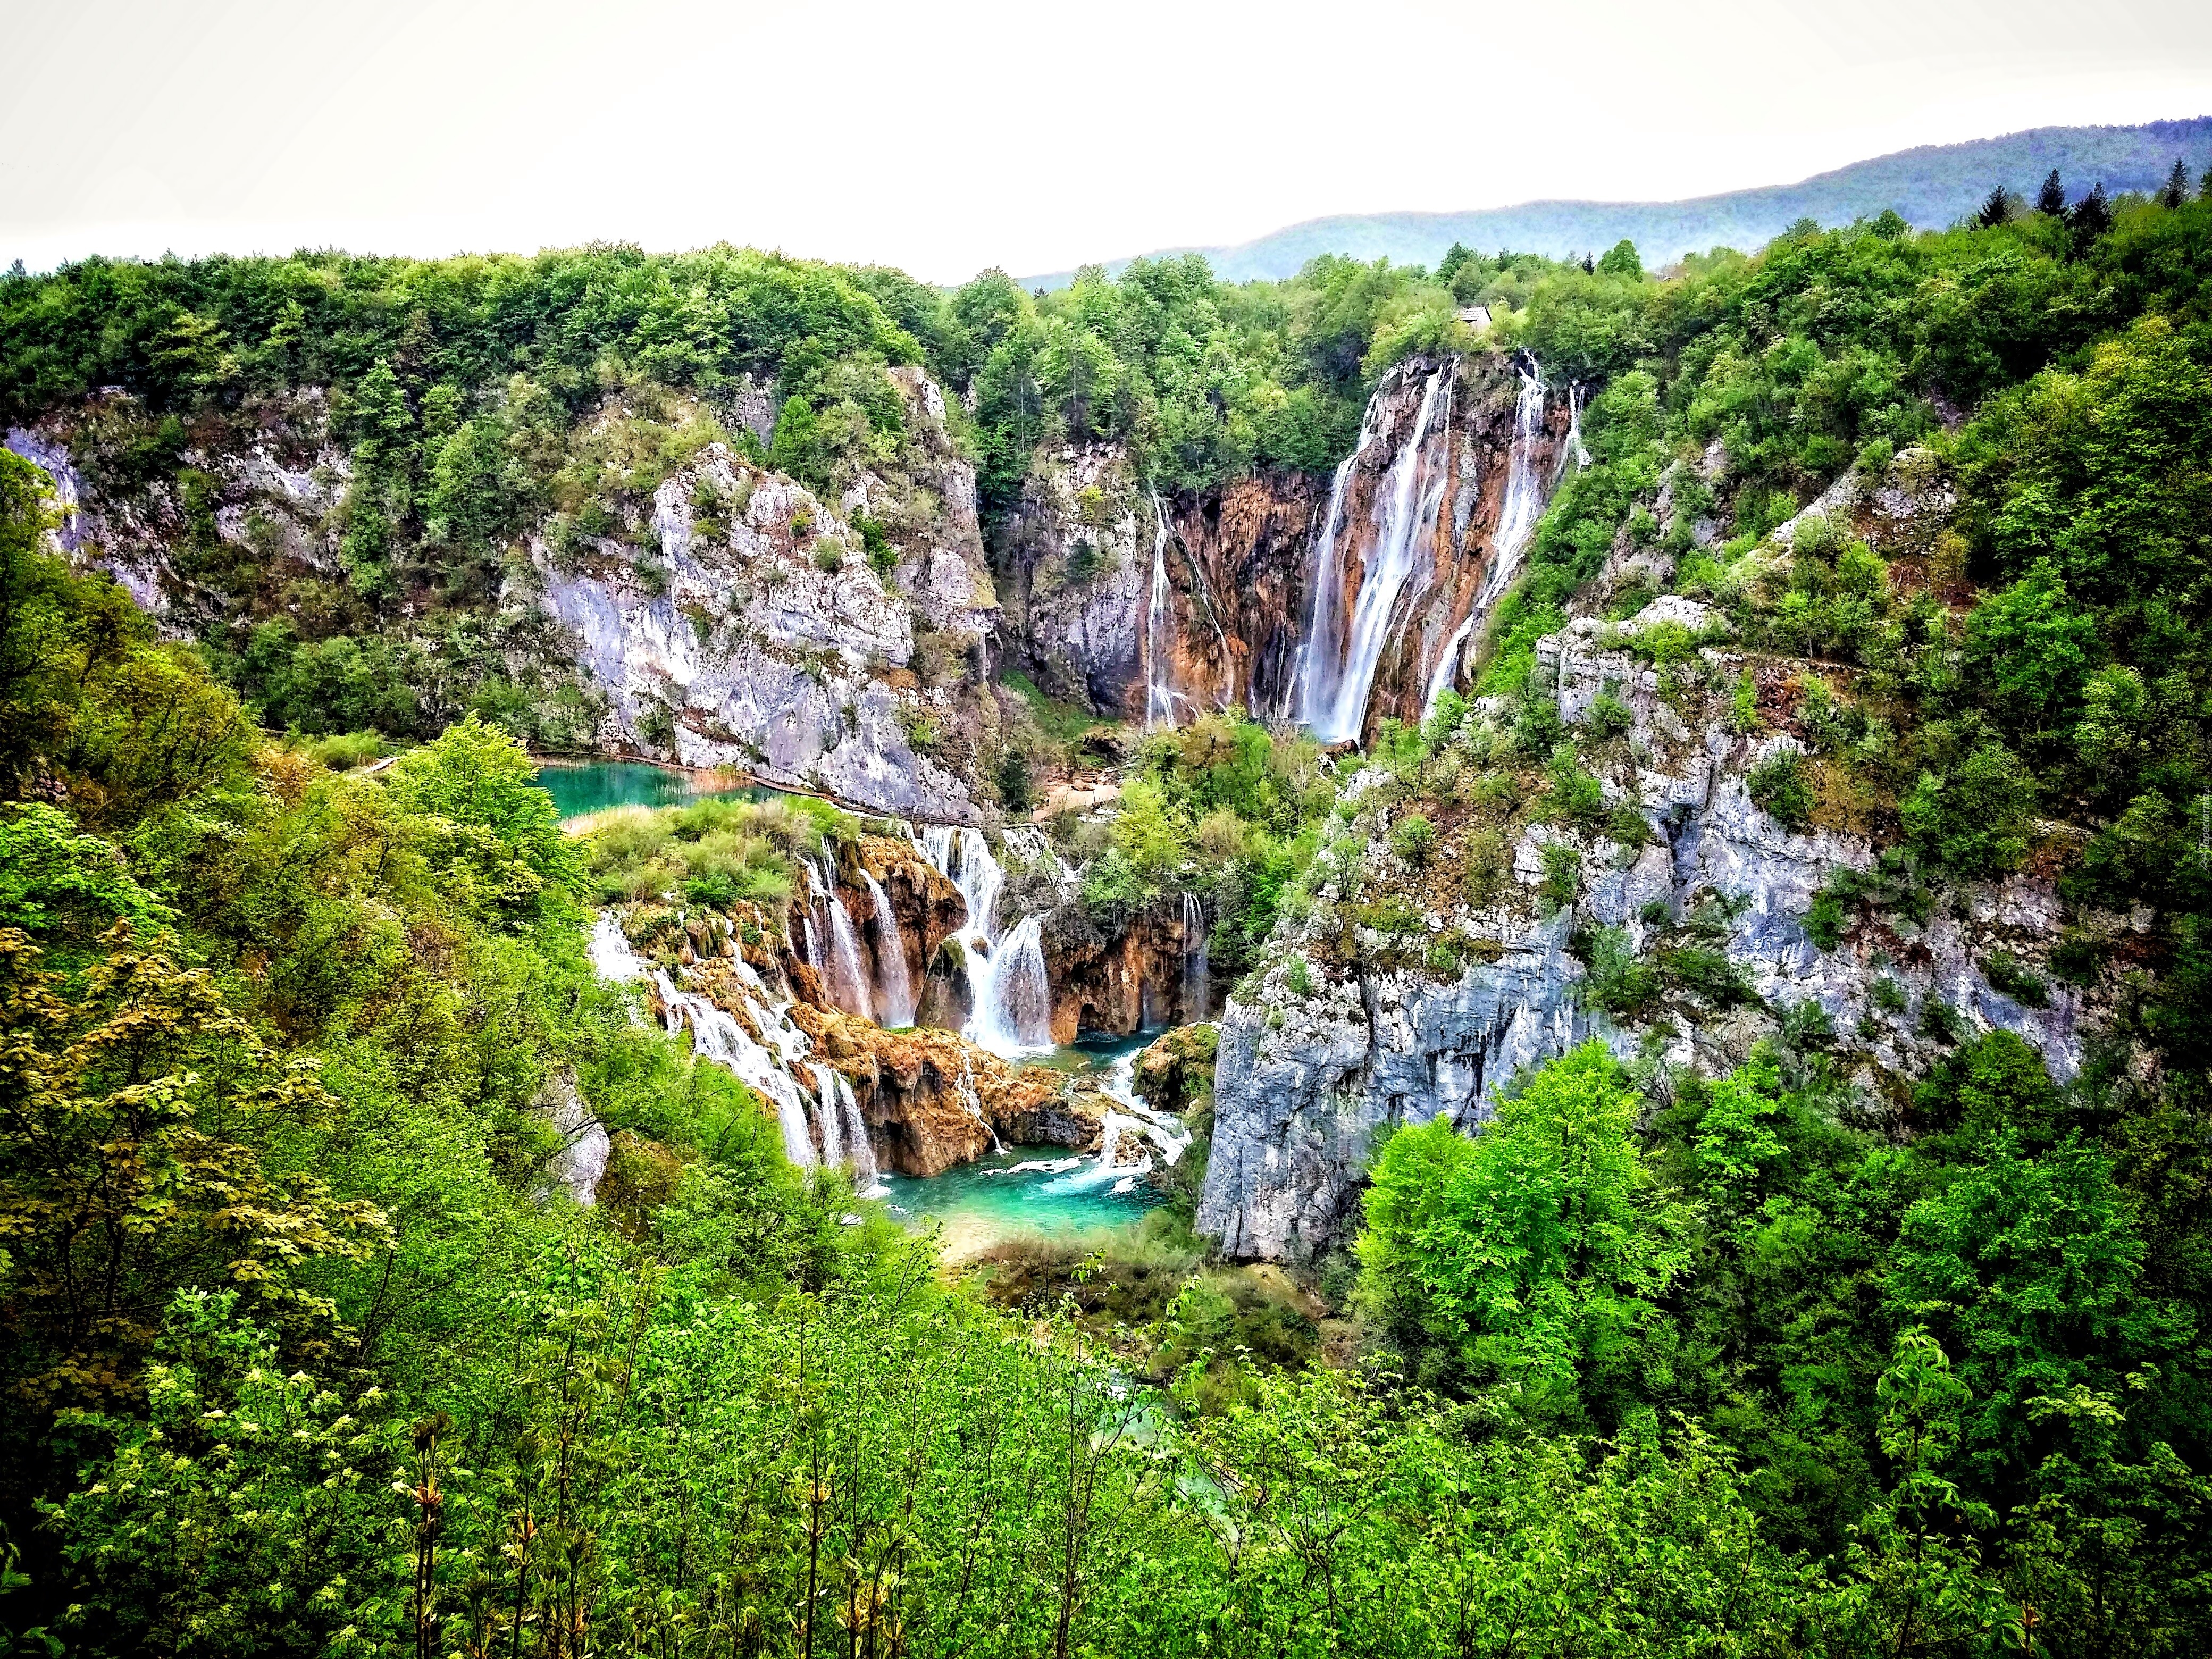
x: 1076, y: 556
x: 770, y: 644
x: 1307, y: 1077
x: 1145, y: 975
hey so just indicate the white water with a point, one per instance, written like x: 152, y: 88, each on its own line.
x: 1160, y: 694
x: 825, y: 1112
x: 1572, y: 450
x: 1524, y: 493
x: 843, y: 979
x: 1337, y: 684
x: 894, y: 977
x: 1193, y: 959
x: 1009, y: 994
x: 1447, y: 668
x: 1322, y: 649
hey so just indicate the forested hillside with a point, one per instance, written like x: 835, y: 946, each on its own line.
x: 1809, y: 1256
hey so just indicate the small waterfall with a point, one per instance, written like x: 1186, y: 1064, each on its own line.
x: 1322, y: 649
x: 1447, y: 668
x: 1572, y: 450
x: 844, y: 979
x: 965, y: 1088
x: 770, y: 1066
x: 893, y: 978
x: 1159, y: 689
x: 1193, y: 959
x: 1008, y: 993
x: 1410, y: 496
x: 1014, y: 1015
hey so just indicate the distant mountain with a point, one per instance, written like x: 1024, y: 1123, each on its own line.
x: 1933, y: 185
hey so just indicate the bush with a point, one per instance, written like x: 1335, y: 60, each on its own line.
x: 1414, y: 839
x: 1617, y: 980
x: 1563, y: 874
x: 1297, y: 977
x: 2009, y: 974
x: 1781, y: 787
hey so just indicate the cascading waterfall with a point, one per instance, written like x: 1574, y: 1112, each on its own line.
x: 1322, y: 649
x: 893, y: 978
x: 1572, y: 450
x: 1524, y: 492
x: 1159, y: 689
x: 1193, y: 959
x: 1016, y: 1016
x: 843, y: 977
x: 1447, y: 668
x: 1336, y: 692
x: 1008, y: 993
x: 827, y: 1115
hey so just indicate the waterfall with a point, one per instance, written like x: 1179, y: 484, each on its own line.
x: 769, y: 1063
x: 965, y: 1088
x: 717, y: 1035
x: 1159, y: 690
x: 1009, y: 994
x: 1572, y: 450
x: 1447, y: 666
x: 1524, y: 492
x: 893, y: 978
x: 1014, y: 1016
x: 1409, y: 500
x: 844, y: 979
x: 1322, y: 649
x: 1193, y: 959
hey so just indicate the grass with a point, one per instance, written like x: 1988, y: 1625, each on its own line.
x: 1063, y: 722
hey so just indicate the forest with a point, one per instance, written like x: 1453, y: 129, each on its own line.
x: 304, y: 1349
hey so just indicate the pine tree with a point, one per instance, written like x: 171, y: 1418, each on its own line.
x: 2093, y: 216
x: 2051, y: 199
x: 1589, y: 265
x: 2176, y: 187
x: 1995, y: 210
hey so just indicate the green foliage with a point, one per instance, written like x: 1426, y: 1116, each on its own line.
x: 1536, y: 1253
x: 1414, y: 839
x: 1781, y: 787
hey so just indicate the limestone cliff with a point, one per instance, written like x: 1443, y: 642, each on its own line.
x: 1406, y: 992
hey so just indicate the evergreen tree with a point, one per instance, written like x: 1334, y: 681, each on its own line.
x: 2176, y: 187
x: 1589, y: 265
x: 1995, y: 210
x: 2092, y: 216
x: 2051, y: 199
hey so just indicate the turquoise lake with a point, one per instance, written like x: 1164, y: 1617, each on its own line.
x: 596, y: 785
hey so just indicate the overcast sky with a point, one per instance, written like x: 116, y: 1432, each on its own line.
x: 948, y: 136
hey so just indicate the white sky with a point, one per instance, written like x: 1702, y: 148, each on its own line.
x: 949, y: 136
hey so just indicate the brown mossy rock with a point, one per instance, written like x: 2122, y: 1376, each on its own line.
x: 1178, y: 1069
x: 910, y: 1088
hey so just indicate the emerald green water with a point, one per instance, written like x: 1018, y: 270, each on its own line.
x: 1034, y: 1192
x: 596, y: 785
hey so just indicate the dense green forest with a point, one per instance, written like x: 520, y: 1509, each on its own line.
x: 306, y: 1351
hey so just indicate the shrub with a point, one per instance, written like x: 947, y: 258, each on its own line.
x: 829, y: 555
x: 1609, y: 716
x: 1617, y: 980
x: 1297, y: 977
x: 1781, y: 787
x: 1825, y: 920
x: 1889, y: 995
x: 1414, y: 839
x: 1563, y: 874
x: 2009, y: 974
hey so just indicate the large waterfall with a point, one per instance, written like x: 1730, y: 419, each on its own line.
x: 1009, y: 995
x: 1160, y: 627
x: 1337, y: 678
x: 1517, y: 524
